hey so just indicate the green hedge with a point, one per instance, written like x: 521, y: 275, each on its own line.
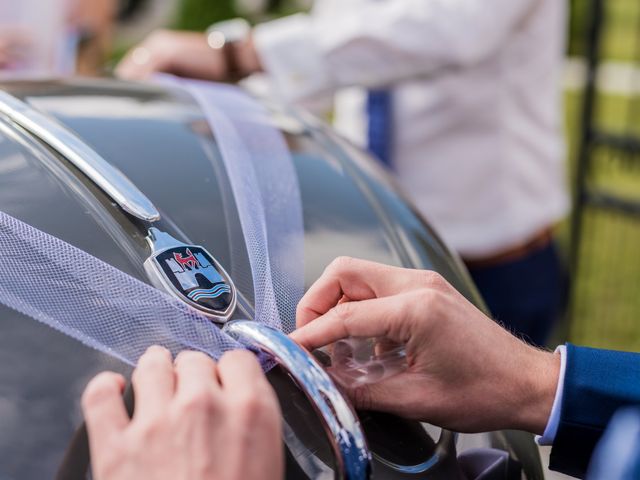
x: 578, y: 17
x: 199, y: 14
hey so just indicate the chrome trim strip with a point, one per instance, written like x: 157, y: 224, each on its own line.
x: 347, y: 439
x: 107, y: 177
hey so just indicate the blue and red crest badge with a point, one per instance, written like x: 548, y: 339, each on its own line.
x: 190, y: 273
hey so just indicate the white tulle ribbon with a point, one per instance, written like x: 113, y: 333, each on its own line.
x: 78, y: 294
x: 266, y: 192
x: 66, y: 288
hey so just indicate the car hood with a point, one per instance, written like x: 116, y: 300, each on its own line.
x: 159, y: 139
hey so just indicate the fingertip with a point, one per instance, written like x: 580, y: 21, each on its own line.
x: 156, y: 361
x: 103, y: 410
x: 241, y: 354
x: 155, y: 354
x: 122, y: 69
x: 103, y: 385
x: 299, y: 337
x: 322, y: 331
x: 179, y: 357
x: 295, y: 335
x: 157, y: 349
x: 307, y: 338
x: 190, y: 356
x: 102, y: 404
x: 240, y: 371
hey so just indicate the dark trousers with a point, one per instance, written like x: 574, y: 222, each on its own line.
x: 527, y: 295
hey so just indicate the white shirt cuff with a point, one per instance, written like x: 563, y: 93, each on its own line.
x: 553, y: 423
x: 290, y: 56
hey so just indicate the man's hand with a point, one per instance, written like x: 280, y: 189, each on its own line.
x: 466, y: 373
x: 193, y: 419
x: 185, y: 54
x: 15, y: 46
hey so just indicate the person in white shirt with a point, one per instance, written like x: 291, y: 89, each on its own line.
x: 467, y: 112
x: 35, y: 39
x: 55, y: 37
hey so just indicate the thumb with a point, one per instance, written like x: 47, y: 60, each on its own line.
x: 377, y: 317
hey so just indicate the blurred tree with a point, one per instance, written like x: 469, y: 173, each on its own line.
x: 199, y: 14
x: 578, y: 17
x: 129, y: 8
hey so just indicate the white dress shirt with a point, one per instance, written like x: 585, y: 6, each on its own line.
x: 477, y: 107
x: 553, y: 423
x: 50, y: 48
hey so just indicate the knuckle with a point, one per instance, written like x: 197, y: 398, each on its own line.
x: 427, y: 297
x: 158, y: 351
x: 190, y: 361
x: 245, y: 357
x: 197, y: 401
x: 341, y: 264
x: 107, y: 460
x: 203, y: 468
x: 108, y: 466
x: 433, y: 303
x: 433, y: 280
x: 301, y: 309
x: 253, y: 408
x: 155, y: 357
x: 252, y: 404
x: 344, y: 311
x: 148, y: 431
x: 191, y: 356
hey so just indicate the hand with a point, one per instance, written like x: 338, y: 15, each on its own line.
x: 465, y: 373
x: 15, y: 45
x: 193, y: 419
x: 186, y: 54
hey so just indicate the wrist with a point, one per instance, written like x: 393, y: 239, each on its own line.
x: 537, y: 390
x: 233, y: 41
x: 247, y: 58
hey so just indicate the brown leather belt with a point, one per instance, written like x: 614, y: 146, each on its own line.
x: 538, y: 242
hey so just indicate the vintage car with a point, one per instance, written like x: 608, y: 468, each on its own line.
x: 92, y: 162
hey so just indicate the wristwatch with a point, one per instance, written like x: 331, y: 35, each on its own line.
x: 227, y: 36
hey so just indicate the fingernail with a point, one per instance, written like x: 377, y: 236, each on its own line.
x: 157, y: 349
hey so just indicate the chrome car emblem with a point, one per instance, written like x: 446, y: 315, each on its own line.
x: 191, y: 274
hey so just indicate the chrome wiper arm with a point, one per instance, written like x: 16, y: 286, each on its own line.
x: 107, y: 177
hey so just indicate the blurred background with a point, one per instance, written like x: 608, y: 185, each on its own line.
x: 601, y: 240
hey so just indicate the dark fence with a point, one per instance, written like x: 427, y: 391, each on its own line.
x: 605, y: 227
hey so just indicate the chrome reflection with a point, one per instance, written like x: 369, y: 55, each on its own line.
x: 446, y: 440
x: 312, y: 466
x: 108, y: 178
x: 410, y: 469
x: 347, y: 439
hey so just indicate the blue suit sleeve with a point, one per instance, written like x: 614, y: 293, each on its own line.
x: 596, y: 384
